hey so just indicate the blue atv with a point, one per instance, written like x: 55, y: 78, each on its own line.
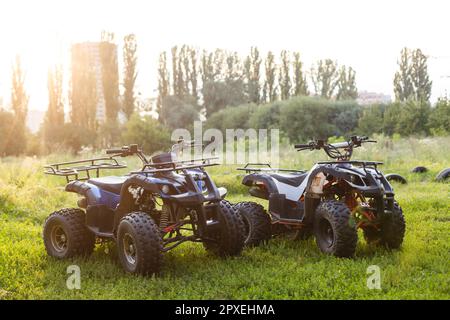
x: 146, y: 212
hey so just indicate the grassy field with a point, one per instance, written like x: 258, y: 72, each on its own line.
x: 280, y: 270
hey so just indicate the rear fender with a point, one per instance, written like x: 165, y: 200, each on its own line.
x: 94, y: 195
x: 263, y: 184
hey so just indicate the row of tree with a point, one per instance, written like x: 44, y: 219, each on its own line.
x: 193, y: 82
x: 214, y: 80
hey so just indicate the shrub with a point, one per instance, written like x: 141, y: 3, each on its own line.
x: 439, y: 119
x: 305, y: 118
x: 371, y: 120
x: 147, y: 132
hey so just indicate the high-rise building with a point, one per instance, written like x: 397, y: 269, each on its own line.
x: 95, y: 64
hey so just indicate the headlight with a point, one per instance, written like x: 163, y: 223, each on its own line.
x: 165, y: 188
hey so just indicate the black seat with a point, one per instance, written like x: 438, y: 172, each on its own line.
x: 111, y: 184
x: 291, y: 179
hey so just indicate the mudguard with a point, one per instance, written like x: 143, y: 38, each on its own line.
x: 93, y: 194
x: 251, y: 179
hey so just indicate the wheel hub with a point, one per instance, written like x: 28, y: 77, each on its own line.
x: 327, y: 232
x: 58, y: 238
x: 129, y: 248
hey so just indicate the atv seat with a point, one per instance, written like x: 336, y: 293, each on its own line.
x: 111, y: 184
x: 291, y: 179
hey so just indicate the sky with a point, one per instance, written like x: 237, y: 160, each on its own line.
x: 366, y: 34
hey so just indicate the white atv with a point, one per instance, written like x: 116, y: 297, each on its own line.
x: 331, y: 201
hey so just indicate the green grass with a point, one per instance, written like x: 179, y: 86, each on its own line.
x: 282, y: 269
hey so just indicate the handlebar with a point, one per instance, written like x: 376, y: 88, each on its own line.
x: 332, y: 149
x: 301, y: 146
x: 126, y: 151
x: 114, y: 151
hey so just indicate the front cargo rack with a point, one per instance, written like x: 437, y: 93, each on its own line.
x: 84, y: 169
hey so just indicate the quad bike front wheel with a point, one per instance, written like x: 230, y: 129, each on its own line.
x: 391, y: 231
x: 333, y: 229
x: 139, y: 244
x: 229, y: 238
x: 257, y: 224
x: 66, y: 235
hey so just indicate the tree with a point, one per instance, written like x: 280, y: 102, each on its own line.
x: 252, y: 68
x: 219, y: 64
x: 325, y: 78
x: 300, y: 84
x: 284, y: 79
x: 83, y: 93
x: 412, y: 81
x: 19, y: 104
x: 19, y: 97
x: 233, y: 67
x: 270, y: 89
x: 8, y: 145
x: 403, y: 86
x: 207, y: 67
x: 183, y: 72
x: 347, y: 84
x: 163, y: 81
x: 110, y: 76
x: 175, y: 82
x: 54, y: 118
x: 194, y: 73
x: 419, y: 76
x: 130, y: 74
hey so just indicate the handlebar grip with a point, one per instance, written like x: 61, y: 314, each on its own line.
x: 114, y: 151
x: 297, y: 146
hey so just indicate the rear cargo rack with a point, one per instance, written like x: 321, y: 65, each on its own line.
x: 265, y: 167
x: 175, y: 164
x: 84, y: 169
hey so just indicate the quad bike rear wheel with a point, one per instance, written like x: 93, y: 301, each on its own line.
x: 229, y: 239
x: 66, y: 235
x: 139, y: 244
x: 257, y: 224
x: 391, y: 231
x: 333, y: 229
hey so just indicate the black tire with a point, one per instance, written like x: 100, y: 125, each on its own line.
x: 443, y: 175
x: 257, y: 224
x: 391, y: 232
x: 419, y: 169
x: 395, y: 177
x: 229, y: 240
x: 139, y: 244
x: 66, y: 235
x: 333, y: 229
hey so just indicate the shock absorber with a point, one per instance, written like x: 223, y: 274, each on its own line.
x: 165, y: 216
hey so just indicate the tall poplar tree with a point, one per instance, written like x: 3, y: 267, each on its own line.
x: 130, y: 74
x: 300, y: 83
x: 284, y: 79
